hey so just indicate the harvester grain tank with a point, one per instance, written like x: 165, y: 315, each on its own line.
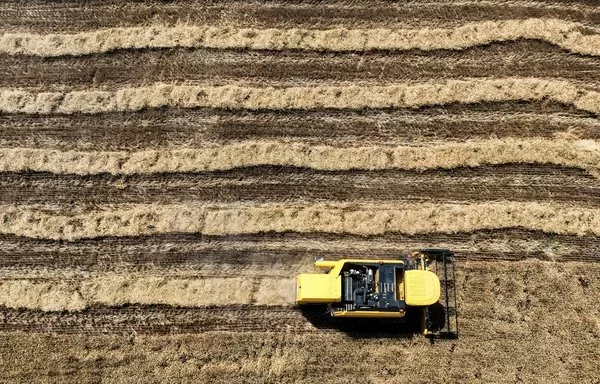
x: 357, y: 288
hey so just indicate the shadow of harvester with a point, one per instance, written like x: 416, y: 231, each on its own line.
x: 404, y: 327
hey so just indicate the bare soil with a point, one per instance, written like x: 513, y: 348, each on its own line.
x: 486, y: 183
x: 69, y: 16
x: 193, y: 128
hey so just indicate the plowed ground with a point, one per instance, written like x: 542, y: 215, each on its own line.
x: 160, y: 190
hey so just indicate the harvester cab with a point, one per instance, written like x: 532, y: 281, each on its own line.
x: 356, y: 288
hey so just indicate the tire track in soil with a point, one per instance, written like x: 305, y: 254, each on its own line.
x: 520, y: 182
x: 69, y: 16
x: 156, y: 319
x: 195, y: 128
x: 288, y: 68
x: 211, y: 255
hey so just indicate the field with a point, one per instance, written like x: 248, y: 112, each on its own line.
x: 168, y: 167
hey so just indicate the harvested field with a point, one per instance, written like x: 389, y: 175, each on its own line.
x: 167, y: 168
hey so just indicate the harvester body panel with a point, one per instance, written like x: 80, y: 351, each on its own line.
x: 362, y: 288
x: 421, y: 287
x: 318, y: 288
x: 367, y: 288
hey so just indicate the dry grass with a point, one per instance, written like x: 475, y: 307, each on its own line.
x: 365, y: 219
x: 277, y: 291
x: 576, y: 153
x: 114, y: 290
x: 562, y: 33
x: 111, y: 289
x: 301, y: 97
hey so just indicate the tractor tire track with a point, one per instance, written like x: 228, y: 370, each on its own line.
x: 194, y: 128
x: 69, y: 16
x: 288, y: 68
x: 276, y: 254
x: 515, y: 182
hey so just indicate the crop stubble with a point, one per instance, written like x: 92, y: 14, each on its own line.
x: 116, y: 210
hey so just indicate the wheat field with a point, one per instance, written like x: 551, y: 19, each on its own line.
x: 168, y: 167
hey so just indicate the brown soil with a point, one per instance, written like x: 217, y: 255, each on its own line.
x: 504, y: 182
x: 522, y: 58
x: 196, y: 128
x: 273, y: 254
x: 70, y: 16
x: 156, y: 204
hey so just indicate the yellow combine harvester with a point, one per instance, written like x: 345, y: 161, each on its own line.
x: 355, y: 288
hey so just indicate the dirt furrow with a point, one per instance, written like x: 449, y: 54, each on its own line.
x: 69, y: 16
x: 270, y: 254
x: 194, y: 128
x: 50, y: 282
x: 288, y: 68
x: 157, y: 319
x: 408, y: 94
x: 574, y: 37
x: 365, y: 219
x: 518, y: 182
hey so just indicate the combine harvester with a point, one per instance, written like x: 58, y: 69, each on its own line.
x: 354, y: 288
